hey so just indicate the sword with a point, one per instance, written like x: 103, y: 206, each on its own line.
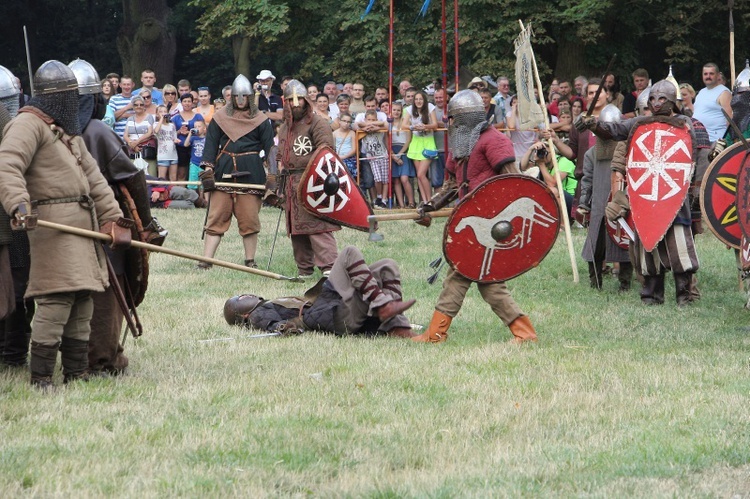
x: 601, y: 86
x: 624, y: 224
x: 250, y: 337
x: 28, y: 61
x: 160, y: 249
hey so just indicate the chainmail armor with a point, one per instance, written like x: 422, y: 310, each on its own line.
x: 61, y: 107
x: 468, y: 122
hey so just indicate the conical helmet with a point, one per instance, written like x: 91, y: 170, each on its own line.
x: 671, y: 79
x: 242, y: 92
x: 742, y: 83
x: 87, y: 77
x: 8, y: 85
x: 641, y: 102
x: 294, y: 91
x: 52, y: 77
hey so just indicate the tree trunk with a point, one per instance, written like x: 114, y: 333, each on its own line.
x: 571, y: 58
x: 241, y: 53
x: 145, y: 41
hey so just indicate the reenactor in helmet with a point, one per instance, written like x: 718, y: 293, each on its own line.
x: 49, y: 173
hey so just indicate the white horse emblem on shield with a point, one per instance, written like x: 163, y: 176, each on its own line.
x: 529, y: 211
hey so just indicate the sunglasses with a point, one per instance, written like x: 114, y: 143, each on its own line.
x: 170, y: 93
x: 146, y: 96
x: 138, y: 105
x: 203, y: 88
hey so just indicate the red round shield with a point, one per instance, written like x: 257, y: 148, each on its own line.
x: 616, y: 232
x: 501, y: 229
x: 338, y: 200
x: 719, y: 195
x: 742, y: 196
x: 660, y: 165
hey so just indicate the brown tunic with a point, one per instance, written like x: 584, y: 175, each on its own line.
x: 297, y: 147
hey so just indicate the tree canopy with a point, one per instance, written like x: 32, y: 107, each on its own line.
x: 317, y: 40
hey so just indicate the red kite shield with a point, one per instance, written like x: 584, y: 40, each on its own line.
x: 501, y: 229
x: 660, y: 163
x: 328, y: 191
x: 719, y: 195
x: 743, y: 187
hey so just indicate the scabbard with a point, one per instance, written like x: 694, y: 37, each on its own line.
x: 120, y: 296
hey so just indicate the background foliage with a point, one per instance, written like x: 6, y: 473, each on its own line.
x: 317, y: 40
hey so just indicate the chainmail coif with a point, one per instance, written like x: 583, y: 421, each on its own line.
x: 61, y: 107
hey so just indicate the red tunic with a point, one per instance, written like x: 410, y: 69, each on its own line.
x: 491, y: 150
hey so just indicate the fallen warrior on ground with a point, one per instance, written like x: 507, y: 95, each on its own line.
x: 354, y: 299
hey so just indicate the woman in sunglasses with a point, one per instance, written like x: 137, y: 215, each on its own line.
x: 170, y: 98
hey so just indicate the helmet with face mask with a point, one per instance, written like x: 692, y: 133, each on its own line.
x: 641, y: 103
x: 9, y: 91
x: 294, y: 91
x: 468, y: 121
x: 663, y: 98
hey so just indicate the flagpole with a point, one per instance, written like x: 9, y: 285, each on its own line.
x: 390, y: 101
x: 551, y: 146
x: 455, y: 42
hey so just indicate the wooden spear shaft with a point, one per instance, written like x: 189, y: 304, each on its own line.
x: 218, y: 184
x: 159, y: 249
x: 561, y: 193
x: 445, y: 212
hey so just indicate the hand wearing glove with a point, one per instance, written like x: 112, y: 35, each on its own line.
x: 425, y: 220
x: 618, y: 207
x: 584, y: 123
x: 717, y: 148
x: 207, y: 180
x: 120, y: 231
x: 23, y: 218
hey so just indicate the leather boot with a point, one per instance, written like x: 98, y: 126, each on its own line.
x: 42, y: 365
x: 695, y: 293
x: 652, y: 292
x: 393, y: 308
x: 625, y: 276
x: 75, y: 359
x: 682, y: 288
x: 595, y: 275
x: 522, y: 330
x: 437, y: 331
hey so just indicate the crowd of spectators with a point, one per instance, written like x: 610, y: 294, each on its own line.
x: 394, y: 149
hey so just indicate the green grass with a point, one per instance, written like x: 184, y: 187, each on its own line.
x: 616, y: 399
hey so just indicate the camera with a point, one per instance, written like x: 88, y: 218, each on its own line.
x: 541, y: 152
x: 194, y: 131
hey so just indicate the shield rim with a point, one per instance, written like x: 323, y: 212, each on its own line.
x: 744, y: 230
x: 729, y: 151
x: 471, y: 194
x: 302, y: 183
x: 631, y: 190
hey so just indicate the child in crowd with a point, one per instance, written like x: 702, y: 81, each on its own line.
x: 218, y: 104
x: 345, y: 137
x: 196, y: 140
x: 166, y: 137
x: 373, y: 145
x: 402, y: 169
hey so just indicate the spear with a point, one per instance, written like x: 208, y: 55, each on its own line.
x: 160, y: 249
x: 730, y: 4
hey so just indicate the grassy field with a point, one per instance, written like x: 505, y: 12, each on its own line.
x: 616, y: 399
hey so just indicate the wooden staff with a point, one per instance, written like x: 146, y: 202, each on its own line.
x: 560, y: 191
x: 730, y: 4
x: 218, y: 184
x: 159, y: 249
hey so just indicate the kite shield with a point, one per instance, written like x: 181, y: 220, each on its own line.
x: 501, y: 229
x: 328, y: 191
x: 660, y: 164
